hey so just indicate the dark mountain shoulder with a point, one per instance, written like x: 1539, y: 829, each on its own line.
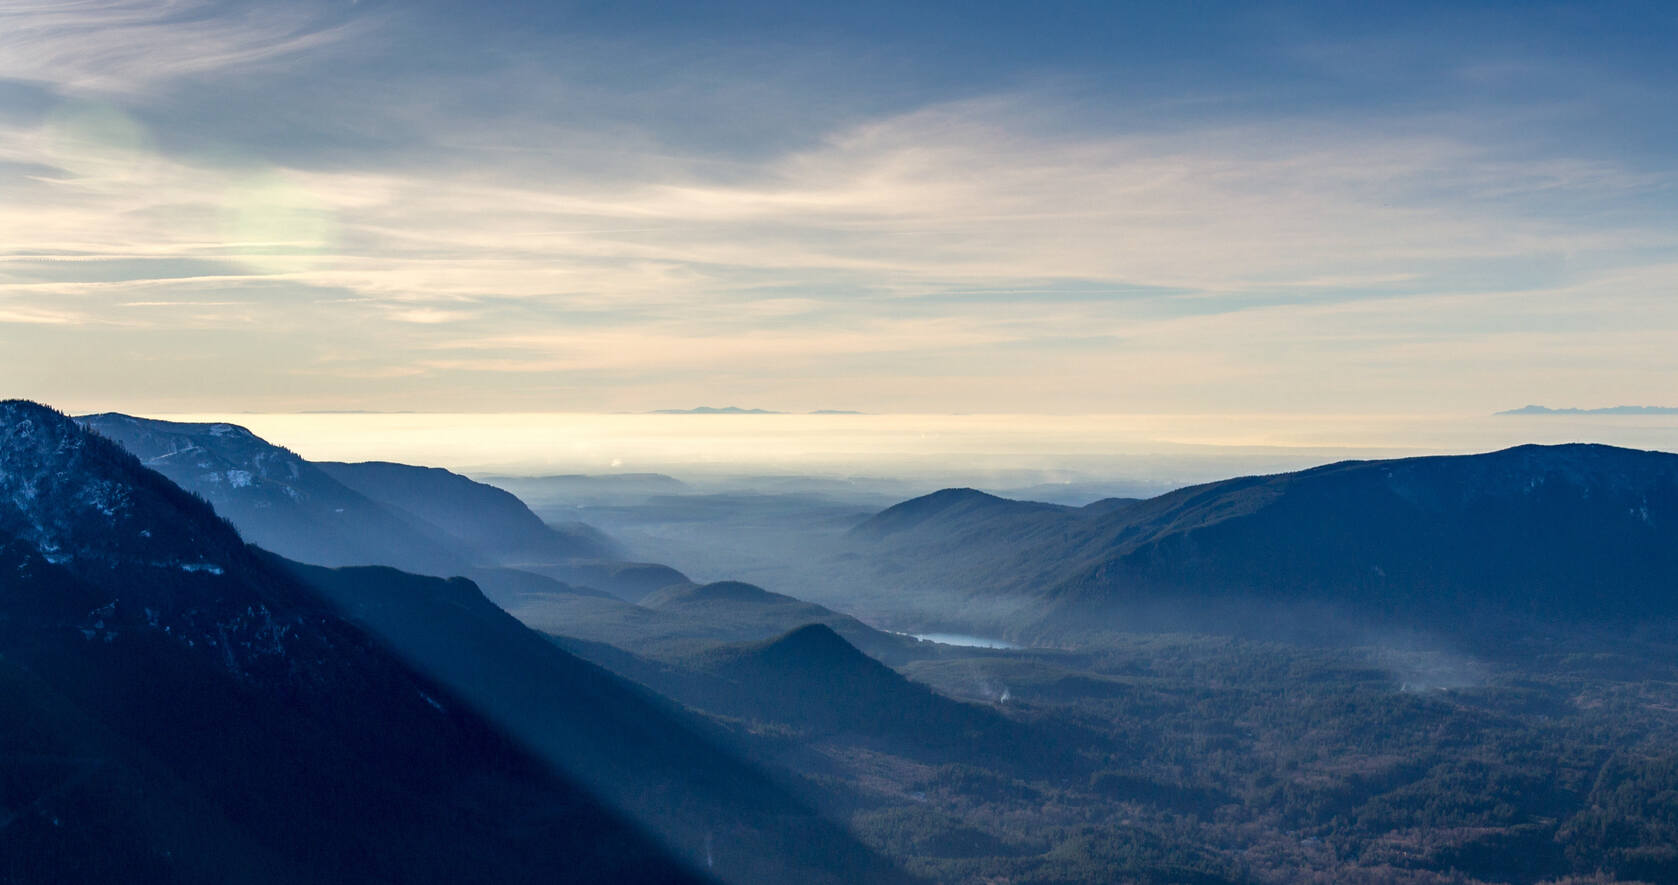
x: 419, y: 519
x: 1570, y: 533
x: 637, y: 750
x: 153, y: 663
x: 1557, y: 532
x: 354, y: 724
x: 280, y: 500
x: 482, y: 516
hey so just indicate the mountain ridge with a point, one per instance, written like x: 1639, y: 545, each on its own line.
x: 380, y: 726
x: 200, y: 677
x: 1558, y: 532
x: 421, y: 519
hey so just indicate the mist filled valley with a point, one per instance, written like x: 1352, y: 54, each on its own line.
x: 1450, y: 669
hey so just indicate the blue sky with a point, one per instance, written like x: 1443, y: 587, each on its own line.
x: 1195, y: 208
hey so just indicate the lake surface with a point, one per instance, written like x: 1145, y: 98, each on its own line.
x: 963, y: 639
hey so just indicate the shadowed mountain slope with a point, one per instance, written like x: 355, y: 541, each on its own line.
x: 174, y: 708
x: 278, y: 499
x: 639, y: 752
x: 418, y: 519
x: 480, y: 516
x: 1553, y: 533
x: 812, y: 681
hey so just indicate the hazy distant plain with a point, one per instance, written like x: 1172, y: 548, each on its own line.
x: 1148, y: 448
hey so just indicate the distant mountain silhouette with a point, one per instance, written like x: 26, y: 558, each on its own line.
x: 418, y: 519
x: 1608, y: 410
x: 1574, y: 533
x: 178, y: 709
x: 713, y: 410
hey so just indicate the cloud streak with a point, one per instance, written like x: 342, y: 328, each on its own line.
x: 126, y: 46
x: 1232, y: 257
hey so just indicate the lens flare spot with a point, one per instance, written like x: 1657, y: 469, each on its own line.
x: 276, y: 224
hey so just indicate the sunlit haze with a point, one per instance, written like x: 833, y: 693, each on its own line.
x: 1168, y: 449
x: 839, y: 442
x: 1069, y: 208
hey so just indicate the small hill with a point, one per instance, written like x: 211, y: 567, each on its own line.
x: 812, y: 679
x: 682, y: 619
x: 719, y: 593
x: 946, y: 507
x: 627, y: 580
x: 741, y: 611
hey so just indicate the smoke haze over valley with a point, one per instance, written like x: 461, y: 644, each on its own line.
x: 836, y: 746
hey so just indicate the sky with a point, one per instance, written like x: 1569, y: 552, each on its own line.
x: 1068, y: 208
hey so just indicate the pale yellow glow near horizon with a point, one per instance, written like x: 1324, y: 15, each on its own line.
x: 535, y: 443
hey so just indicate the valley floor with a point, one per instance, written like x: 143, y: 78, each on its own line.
x: 1194, y: 759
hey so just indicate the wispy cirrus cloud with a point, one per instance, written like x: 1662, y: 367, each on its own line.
x: 544, y: 235
x: 126, y: 46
